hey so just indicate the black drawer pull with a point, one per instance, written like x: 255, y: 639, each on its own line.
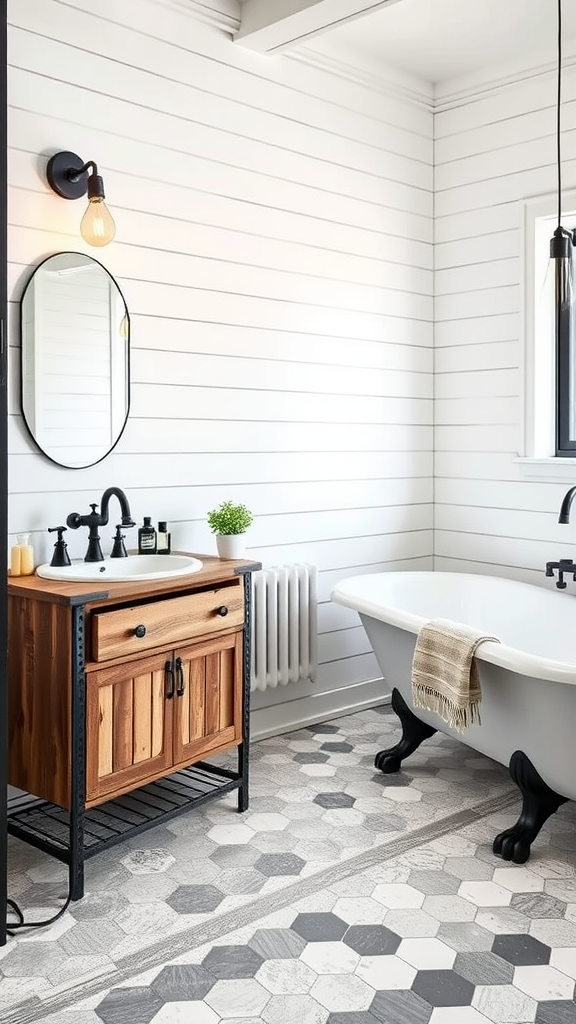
x: 222, y: 610
x: 169, y: 671
x: 140, y: 631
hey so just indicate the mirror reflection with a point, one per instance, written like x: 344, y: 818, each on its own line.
x: 75, y: 334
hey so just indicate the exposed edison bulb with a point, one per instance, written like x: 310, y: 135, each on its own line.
x: 97, y: 226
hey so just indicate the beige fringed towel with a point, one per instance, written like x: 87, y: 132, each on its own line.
x: 444, y: 673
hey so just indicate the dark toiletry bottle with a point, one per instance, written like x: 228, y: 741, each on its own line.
x: 162, y: 539
x: 147, y: 538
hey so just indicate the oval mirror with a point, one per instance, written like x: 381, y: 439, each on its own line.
x: 75, y: 336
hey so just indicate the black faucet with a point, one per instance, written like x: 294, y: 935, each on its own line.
x: 95, y: 519
x: 565, y: 565
x: 564, y: 516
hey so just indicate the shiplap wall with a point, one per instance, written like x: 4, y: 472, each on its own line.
x: 493, y: 150
x: 274, y: 230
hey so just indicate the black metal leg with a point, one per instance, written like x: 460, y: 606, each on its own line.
x: 243, y: 797
x: 78, y: 779
x: 538, y: 803
x: 413, y: 732
x: 244, y: 748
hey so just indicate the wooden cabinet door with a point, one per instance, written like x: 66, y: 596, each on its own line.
x: 128, y: 726
x: 208, y: 699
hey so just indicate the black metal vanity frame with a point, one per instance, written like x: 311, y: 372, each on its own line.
x: 73, y: 836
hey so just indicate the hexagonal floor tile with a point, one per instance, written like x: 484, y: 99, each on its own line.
x: 179, y: 982
x: 543, y: 982
x: 400, y: 1006
x: 319, y: 927
x: 129, y: 1004
x: 277, y: 943
x: 371, y: 939
x: 279, y: 864
x: 228, y: 962
x: 195, y: 899
x: 521, y: 950
x: 443, y: 988
x: 427, y: 953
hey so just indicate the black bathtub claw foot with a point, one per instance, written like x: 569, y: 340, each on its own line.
x: 538, y: 803
x: 413, y: 732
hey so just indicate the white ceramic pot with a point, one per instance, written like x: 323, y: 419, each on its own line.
x: 231, y: 545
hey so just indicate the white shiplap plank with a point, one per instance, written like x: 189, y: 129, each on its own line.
x: 274, y: 248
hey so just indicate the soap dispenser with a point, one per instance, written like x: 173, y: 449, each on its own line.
x: 60, y: 556
x: 147, y: 538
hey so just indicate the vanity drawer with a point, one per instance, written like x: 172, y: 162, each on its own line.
x: 128, y: 631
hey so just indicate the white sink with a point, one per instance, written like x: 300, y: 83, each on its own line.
x: 134, y: 567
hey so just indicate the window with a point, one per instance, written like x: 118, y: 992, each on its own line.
x: 549, y: 387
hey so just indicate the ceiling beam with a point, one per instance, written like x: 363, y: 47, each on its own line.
x: 269, y: 26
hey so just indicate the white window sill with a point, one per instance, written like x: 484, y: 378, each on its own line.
x: 550, y: 469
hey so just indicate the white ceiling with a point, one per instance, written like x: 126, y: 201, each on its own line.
x: 439, y: 39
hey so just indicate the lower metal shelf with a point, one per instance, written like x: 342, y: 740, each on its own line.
x: 47, y: 826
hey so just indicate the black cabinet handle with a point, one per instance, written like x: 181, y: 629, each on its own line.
x: 222, y: 610
x: 181, y: 681
x: 169, y: 671
x: 140, y: 631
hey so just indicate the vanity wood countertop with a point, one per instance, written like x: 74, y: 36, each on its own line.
x: 214, y: 571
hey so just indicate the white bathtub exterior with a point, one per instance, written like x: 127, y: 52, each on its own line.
x: 528, y: 680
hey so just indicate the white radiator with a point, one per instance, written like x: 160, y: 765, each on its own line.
x: 284, y: 625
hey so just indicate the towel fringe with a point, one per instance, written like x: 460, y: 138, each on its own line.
x: 458, y: 718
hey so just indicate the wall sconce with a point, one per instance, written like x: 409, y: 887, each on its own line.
x: 71, y: 179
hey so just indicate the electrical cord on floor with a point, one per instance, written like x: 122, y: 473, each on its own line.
x: 13, y: 926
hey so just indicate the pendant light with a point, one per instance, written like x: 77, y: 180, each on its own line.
x: 561, y: 253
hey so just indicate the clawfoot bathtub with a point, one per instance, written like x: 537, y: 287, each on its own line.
x: 528, y: 680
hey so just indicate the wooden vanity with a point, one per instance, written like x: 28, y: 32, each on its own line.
x: 117, y: 694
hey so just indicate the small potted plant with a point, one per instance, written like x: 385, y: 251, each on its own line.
x: 229, y: 522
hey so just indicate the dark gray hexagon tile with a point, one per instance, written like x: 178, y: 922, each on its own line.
x: 400, y: 1007
x: 127, y: 1005
x: 182, y: 982
x: 371, y: 940
x: 556, y: 1012
x: 271, y: 864
x: 277, y: 943
x: 337, y: 748
x: 443, y: 988
x: 521, y: 950
x: 537, y: 905
x: 319, y: 927
x: 333, y: 800
x: 195, y: 899
x: 484, y: 968
x: 322, y: 728
x: 229, y: 962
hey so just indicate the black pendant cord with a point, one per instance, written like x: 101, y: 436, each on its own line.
x: 559, y: 104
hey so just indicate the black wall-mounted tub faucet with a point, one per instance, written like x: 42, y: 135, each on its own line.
x: 564, y: 515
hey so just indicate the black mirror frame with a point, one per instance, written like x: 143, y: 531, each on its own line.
x: 21, y: 304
